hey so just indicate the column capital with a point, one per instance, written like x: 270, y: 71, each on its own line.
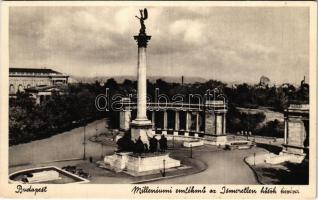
x: 142, y: 40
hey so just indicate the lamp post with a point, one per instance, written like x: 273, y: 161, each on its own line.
x: 254, y: 158
x: 84, y: 144
x: 190, y: 150
x: 96, y: 129
x: 101, y: 155
x: 164, y: 168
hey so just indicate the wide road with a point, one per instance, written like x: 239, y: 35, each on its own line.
x: 67, y: 145
x: 224, y: 167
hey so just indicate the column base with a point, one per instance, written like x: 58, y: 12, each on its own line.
x: 217, y: 139
x: 142, y: 129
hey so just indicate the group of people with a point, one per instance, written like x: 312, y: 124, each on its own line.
x: 125, y: 144
x: 163, y: 144
x: 141, y: 147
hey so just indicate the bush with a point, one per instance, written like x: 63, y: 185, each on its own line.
x: 272, y: 129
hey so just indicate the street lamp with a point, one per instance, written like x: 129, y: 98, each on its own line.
x: 102, y: 150
x: 96, y: 128
x: 164, y: 168
x: 190, y: 150
x: 254, y: 158
x: 84, y: 144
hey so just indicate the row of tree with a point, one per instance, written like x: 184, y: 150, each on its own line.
x: 243, y: 95
x: 30, y: 121
x: 253, y: 123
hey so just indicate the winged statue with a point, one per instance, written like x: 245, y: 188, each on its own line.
x: 142, y: 18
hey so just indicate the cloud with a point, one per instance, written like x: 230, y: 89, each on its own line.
x: 225, y: 43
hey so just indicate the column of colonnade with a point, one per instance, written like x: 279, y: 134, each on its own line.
x: 176, y: 128
x: 176, y: 123
x: 220, y: 123
x: 165, y: 122
x: 218, y: 129
x: 188, y: 124
x: 197, y: 124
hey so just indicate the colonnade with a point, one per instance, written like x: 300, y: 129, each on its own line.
x: 185, y: 122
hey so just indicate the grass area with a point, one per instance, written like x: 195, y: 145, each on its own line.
x: 283, y: 174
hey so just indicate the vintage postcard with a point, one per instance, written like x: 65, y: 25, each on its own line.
x: 125, y: 99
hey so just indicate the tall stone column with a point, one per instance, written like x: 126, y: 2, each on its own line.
x: 153, y: 119
x: 219, y: 124
x: 188, y: 121
x: 177, y: 121
x: 165, y: 120
x: 125, y: 119
x: 141, y: 126
x: 224, y: 123
x: 197, y: 125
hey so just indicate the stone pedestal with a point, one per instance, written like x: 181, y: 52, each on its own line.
x: 217, y: 139
x: 150, y: 164
x: 117, y: 162
x: 296, y: 136
x: 139, y: 165
x: 142, y: 129
x: 124, y: 120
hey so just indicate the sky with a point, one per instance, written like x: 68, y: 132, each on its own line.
x: 231, y: 44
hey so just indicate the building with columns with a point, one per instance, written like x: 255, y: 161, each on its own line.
x: 23, y: 78
x: 296, y: 135
x: 206, y: 121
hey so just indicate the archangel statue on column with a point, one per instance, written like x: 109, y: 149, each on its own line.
x: 142, y: 18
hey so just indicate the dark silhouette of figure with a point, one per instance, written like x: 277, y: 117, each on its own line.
x: 139, y: 146
x: 125, y: 144
x: 163, y: 143
x: 153, y: 144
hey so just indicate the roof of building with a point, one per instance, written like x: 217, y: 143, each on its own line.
x: 44, y: 88
x: 33, y: 70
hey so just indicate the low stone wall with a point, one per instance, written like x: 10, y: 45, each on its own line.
x: 138, y: 164
x: 194, y: 143
x: 257, y: 159
x: 45, y: 175
x: 273, y: 159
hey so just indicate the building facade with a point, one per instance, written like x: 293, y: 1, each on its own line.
x: 296, y: 137
x: 23, y: 78
x: 206, y: 121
